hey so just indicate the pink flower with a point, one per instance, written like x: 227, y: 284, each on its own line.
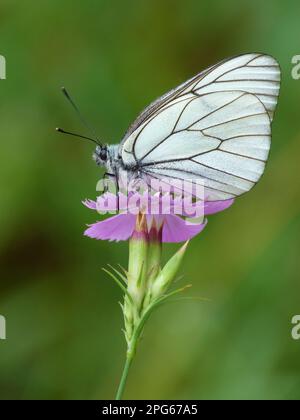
x: 173, y: 224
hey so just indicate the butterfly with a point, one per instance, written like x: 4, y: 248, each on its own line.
x: 216, y: 126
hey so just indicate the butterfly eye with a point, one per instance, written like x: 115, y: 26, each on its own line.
x: 103, y: 154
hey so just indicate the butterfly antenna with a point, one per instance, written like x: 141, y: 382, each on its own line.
x: 60, y: 130
x: 82, y: 119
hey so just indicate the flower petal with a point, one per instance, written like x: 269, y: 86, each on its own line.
x: 90, y: 204
x: 108, y: 202
x: 115, y: 228
x: 175, y: 229
x: 212, y: 207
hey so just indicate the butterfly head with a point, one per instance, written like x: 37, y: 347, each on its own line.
x: 101, y: 155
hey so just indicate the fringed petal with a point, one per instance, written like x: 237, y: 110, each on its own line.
x: 175, y: 229
x: 212, y: 207
x: 115, y: 228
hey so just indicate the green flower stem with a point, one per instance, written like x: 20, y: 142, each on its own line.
x: 123, y: 380
x: 147, y: 285
x: 132, y: 349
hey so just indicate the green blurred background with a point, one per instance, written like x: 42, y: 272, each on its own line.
x: 64, y: 338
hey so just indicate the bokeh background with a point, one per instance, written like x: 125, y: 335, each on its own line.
x: 64, y: 338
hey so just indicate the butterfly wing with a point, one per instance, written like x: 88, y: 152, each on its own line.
x: 161, y: 102
x: 216, y: 126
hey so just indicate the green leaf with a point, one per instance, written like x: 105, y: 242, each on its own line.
x: 123, y: 269
x: 119, y: 274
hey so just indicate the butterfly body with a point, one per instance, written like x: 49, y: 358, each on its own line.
x: 216, y: 126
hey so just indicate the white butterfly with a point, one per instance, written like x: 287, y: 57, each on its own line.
x: 216, y: 126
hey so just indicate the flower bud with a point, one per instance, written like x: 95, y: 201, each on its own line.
x: 137, y: 273
x: 167, y: 274
x: 154, y: 257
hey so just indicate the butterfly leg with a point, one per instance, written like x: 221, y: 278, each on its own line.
x: 107, y: 175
